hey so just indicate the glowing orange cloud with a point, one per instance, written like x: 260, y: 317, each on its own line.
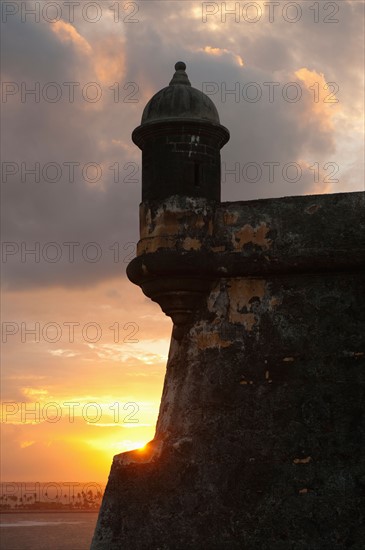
x: 220, y: 51
x: 108, y: 67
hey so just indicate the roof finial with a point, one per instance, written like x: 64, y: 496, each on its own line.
x: 180, y: 76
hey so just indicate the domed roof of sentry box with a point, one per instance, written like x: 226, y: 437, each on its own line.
x: 179, y: 100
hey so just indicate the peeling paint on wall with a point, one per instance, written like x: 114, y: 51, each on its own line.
x: 145, y: 246
x: 206, y: 335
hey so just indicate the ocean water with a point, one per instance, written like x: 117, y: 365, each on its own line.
x: 47, y: 531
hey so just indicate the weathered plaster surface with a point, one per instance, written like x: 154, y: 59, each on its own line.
x: 259, y: 440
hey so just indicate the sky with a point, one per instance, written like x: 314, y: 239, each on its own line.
x: 83, y: 350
